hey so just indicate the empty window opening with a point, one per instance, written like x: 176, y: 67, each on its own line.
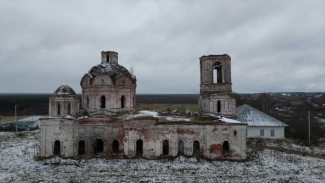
x: 122, y: 102
x: 69, y: 108
x: 87, y: 102
x: 225, y: 148
x: 57, y: 148
x: 102, y: 102
x: 139, y: 147
x: 81, y: 147
x: 272, y: 133
x: 217, y: 73
x: 115, y: 147
x: 262, y: 132
x: 196, y: 148
x: 99, y: 146
x: 165, y: 147
x: 235, y: 133
x: 59, y: 109
x: 219, y: 106
x: 180, y: 148
x: 107, y: 58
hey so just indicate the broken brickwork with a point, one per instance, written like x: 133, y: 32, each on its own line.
x: 98, y: 127
x: 216, y: 87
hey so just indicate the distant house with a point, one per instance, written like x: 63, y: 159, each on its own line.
x: 259, y: 124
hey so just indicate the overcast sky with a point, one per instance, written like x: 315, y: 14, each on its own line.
x: 275, y: 46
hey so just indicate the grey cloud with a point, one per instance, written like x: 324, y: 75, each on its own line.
x: 274, y: 46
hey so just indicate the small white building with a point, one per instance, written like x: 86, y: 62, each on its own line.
x: 259, y: 124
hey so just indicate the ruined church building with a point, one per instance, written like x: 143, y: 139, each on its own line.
x: 105, y: 123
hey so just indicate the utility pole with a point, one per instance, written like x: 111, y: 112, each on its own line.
x: 16, y: 118
x: 309, y: 127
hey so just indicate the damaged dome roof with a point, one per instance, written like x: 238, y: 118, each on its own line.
x: 64, y: 90
x: 112, y: 69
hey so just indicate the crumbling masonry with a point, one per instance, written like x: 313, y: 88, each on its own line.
x: 104, y: 124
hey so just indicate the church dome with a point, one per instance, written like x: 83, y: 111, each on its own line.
x: 113, y: 70
x: 64, y: 90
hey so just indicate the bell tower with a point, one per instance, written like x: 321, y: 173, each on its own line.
x: 109, y: 57
x: 216, y: 87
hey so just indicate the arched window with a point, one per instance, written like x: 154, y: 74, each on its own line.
x: 196, y: 148
x: 139, y: 147
x: 81, y: 148
x: 180, y: 148
x: 217, y: 73
x: 69, y: 108
x: 87, y: 102
x: 115, y: 147
x: 122, y: 102
x: 59, y: 109
x: 102, y: 102
x: 57, y: 148
x: 165, y: 147
x: 219, y: 106
x: 99, y: 146
x: 225, y: 148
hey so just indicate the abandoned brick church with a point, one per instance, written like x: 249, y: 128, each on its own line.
x: 106, y: 124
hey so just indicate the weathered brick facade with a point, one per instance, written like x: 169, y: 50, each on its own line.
x: 106, y: 133
x: 64, y: 102
x: 215, y: 88
x: 211, y: 138
x: 108, y: 87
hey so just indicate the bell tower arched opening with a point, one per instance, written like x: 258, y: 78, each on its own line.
x: 217, y: 73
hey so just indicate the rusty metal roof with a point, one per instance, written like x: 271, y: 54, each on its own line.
x: 254, y: 117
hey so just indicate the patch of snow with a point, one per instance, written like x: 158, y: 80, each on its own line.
x: 18, y: 165
x: 32, y: 118
x: 228, y: 120
x: 155, y: 115
x: 169, y: 118
x: 63, y: 93
x: 50, y: 117
x: 149, y: 113
x: 68, y: 117
x: 82, y: 117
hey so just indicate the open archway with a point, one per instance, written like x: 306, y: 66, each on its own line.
x: 196, y: 148
x: 139, y: 147
x: 217, y: 73
x: 180, y: 148
x: 165, y: 147
x: 99, y: 146
x: 115, y: 147
x: 81, y: 147
x: 57, y: 148
x: 225, y: 148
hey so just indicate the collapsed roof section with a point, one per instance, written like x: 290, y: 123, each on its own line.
x: 64, y: 90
